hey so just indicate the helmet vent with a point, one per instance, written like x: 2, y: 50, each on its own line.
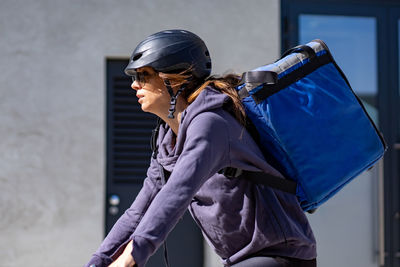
x: 137, y: 56
x: 207, y: 53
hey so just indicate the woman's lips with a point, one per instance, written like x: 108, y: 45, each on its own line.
x: 139, y: 97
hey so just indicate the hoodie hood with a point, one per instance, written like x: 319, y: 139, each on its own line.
x: 170, y: 146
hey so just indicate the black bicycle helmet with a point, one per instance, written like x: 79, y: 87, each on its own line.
x: 171, y: 51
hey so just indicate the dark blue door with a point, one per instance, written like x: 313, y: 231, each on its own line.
x: 127, y: 158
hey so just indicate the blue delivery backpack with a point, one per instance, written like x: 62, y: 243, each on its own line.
x: 310, y: 125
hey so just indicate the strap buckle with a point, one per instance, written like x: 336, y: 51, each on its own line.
x: 231, y: 172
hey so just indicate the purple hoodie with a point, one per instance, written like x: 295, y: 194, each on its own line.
x: 237, y: 218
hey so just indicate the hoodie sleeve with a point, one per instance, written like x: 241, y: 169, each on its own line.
x: 119, y: 235
x: 205, y: 152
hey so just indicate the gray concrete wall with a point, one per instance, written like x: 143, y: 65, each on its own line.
x: 52, y: 106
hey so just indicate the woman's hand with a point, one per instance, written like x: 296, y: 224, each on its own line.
x: 125, y: 259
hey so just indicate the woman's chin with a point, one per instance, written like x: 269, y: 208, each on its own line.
x: 144, y: 107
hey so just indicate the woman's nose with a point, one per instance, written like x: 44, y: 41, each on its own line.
x: 135, y: 85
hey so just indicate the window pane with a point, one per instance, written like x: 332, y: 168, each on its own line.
x: 352, y: 41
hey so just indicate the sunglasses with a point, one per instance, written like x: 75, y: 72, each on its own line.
x: 140, y: 77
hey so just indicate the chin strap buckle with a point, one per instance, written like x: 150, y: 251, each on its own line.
x: 173, y: 97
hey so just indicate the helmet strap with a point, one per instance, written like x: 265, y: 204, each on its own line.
x: 174, y: 97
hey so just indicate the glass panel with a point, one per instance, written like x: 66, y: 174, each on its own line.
x: 352, y: 41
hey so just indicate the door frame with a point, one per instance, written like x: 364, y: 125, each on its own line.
x: 387, y: 14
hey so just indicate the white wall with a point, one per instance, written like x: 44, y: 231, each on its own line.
x: 52, y: 106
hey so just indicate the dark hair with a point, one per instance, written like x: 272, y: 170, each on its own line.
x: 225, y: 84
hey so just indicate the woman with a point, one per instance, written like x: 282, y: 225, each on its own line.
x: 201, y: 132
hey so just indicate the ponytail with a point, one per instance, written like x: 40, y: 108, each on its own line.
x: 225, y: 84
